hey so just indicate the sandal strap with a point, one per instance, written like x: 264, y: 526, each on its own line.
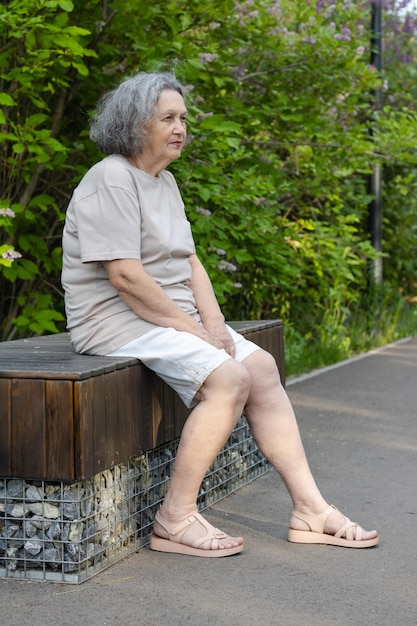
x: 349, y: 530
x: 317, y: 522
x: 173, y: 528
x: 213, y: 535
x: 176, y: 530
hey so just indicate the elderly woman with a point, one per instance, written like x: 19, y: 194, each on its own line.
x: 135, y: 287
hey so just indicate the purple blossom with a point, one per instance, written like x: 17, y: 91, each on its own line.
x: 310, y: 40
x: 207, y: 57
x: 203, y: 116
x: 275, y: 10
x: 188, y: 89
x: 7, y: 212
x: 341, y: 37
x: 345, y: 35
x: 225, y: 266
x: 381, y: 3
x: 11, y: 255
x: 325, y: 5
x: 244, y: 13
x: 202, y: 211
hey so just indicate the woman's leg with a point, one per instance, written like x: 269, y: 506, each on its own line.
x: 221, y: 401
x: 275, y: 430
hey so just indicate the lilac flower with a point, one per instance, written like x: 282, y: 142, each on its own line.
x: 244, y: 13
x: 11, y: 255
x: 328, y: 5
x: 341, y: 37
x: 310, y: 40
x: 188, y: 89
x: 202, y: 211
x: 7, y: 212
x: 382, y: 3
x: 227, y: 267
x: 275, y: 10
x: 206, y: 57
x: 203, y: 116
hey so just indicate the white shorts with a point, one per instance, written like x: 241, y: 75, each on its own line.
x: 181, y: 359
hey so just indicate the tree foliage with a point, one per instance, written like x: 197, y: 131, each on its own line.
x: 275, y: 177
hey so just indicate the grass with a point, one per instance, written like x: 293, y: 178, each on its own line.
x: 378, y: 321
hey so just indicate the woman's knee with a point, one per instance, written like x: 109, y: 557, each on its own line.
x: 231, y: 379
x: 263, y: 369
x: 261, y: 363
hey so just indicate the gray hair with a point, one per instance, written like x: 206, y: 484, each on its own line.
x: 118, y: 125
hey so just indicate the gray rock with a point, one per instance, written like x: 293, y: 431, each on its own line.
x: 16, y: 510
x: 54, y: 531
x: 49, y: 511
x: 71, y: 508
x: 15, y: 488
x: 34, y: 493
x: 33, y: 546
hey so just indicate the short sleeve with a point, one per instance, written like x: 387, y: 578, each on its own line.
x: 108, y: 221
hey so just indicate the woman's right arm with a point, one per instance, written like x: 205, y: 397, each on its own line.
x: 149, y: 301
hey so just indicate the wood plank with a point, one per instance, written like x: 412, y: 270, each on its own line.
x: 5, y: 428
x: 109, y: 423
x: 112, y: 409
x: 149, y: 406
x: 28, y: 428
x: 155, y: 433
x: 136, y: 396
x: 59, y: 429
x: 118, y: 419
x: 98, y: 416
x: 83, y: 429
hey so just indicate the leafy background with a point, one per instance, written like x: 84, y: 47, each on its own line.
x: 284, y: 137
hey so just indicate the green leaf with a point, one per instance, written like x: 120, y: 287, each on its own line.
x: 66, y: 5
x: 6, y: 100
x: 36, y: 119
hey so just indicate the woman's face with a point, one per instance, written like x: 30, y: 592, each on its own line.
x: 167, y: 132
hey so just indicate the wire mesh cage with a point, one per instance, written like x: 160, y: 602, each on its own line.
x: 68, y: 532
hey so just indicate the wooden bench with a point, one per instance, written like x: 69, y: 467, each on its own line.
x: 67, y: 417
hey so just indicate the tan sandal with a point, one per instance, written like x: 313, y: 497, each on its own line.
x: 349, y: 534
x: 207, y: 546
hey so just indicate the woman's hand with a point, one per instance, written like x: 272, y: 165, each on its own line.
x: 222, y: 335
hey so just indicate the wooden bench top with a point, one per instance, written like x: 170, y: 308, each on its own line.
x: 52, y: 356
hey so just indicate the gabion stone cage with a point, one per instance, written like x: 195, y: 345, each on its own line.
x: 68, y: 532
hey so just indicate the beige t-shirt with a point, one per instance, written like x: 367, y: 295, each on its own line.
x: 119, y: 212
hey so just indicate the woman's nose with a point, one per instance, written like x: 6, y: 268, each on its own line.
x: 179, y: 127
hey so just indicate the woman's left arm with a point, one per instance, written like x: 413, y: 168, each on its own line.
x: 207, y: 305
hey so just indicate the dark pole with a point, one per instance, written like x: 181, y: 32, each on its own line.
x: 375, y: 183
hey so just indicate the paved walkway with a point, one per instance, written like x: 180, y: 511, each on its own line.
x: 359, y: 426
